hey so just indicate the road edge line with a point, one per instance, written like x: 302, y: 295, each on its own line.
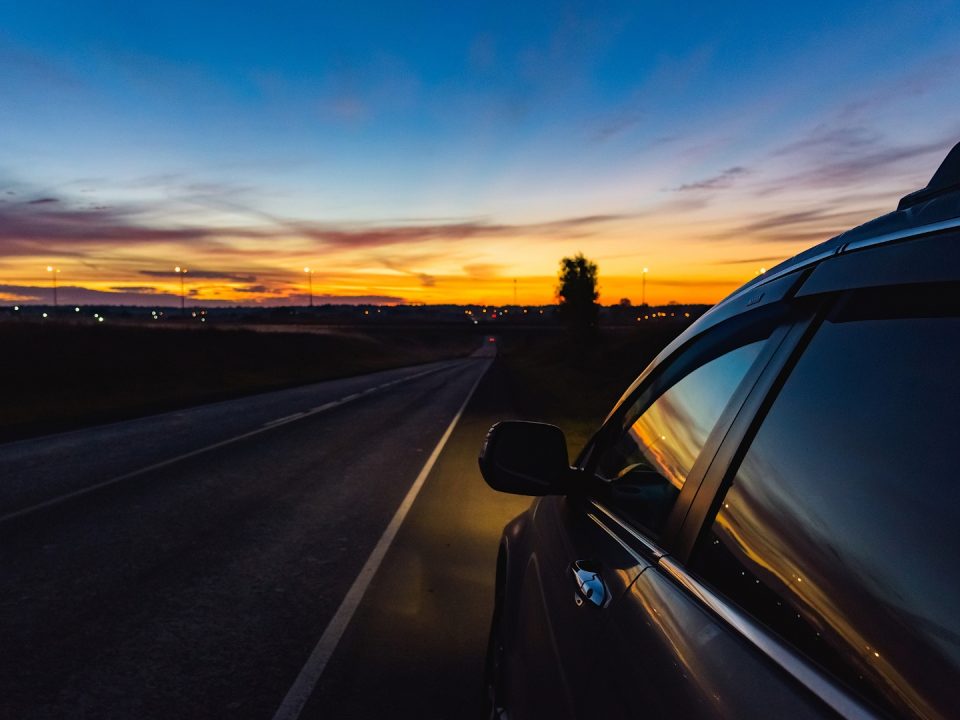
x: 272, y: 425
x: 306, y: 681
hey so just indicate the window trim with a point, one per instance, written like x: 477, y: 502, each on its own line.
x: 733, y: 445
x: 783, y: 319
x: 717, y: 481
x: 821, y: 684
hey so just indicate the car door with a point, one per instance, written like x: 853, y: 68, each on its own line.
x: 635, y: 492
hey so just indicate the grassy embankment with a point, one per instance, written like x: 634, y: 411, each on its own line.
x: 61, y: 376
x: 551, y: 382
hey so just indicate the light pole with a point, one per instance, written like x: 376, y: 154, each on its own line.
x: 53, y: 274
x: 643, y: 284
x: 181, y: 272
x: 309, y: 273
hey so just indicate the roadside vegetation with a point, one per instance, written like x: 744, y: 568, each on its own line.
x: 61, y: 376
x: 555, y: 379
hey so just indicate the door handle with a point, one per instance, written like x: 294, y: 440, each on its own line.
x: 589, y: 584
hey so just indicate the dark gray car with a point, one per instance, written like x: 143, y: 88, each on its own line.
x: 767, y: 525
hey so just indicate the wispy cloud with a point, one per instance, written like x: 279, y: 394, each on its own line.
x: 806, y: 226
x: 202, y: 274
x: 720, y: 181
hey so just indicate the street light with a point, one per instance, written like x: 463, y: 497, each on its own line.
x: 181, y: 272
x: 643, y: 298
x: 309, y: 273
x: 53, y: 274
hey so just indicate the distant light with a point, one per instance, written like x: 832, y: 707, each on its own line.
x: 177, y: 269
x: 76, y: 309
x: 49, y: 268
x: 686, y: 314
x: 193, y: 314
x: 100, y: 319
x: 96, y: 314
x: 44, y: 314
x: 306, y: 269
x: 203, y: 319
x: 366, y: 312
x: 646, y: 270
x: 16, y: 307
x: 762, y: 270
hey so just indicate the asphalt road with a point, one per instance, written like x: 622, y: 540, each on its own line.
x: 186, y: 565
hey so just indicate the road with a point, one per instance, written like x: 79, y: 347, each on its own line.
x: 188, y: 564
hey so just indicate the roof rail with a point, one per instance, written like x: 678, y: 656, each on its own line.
x: 945, y: 179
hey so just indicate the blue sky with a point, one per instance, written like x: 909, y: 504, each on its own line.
x: 437, y: 151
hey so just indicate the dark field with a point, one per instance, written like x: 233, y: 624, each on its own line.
x: 553, y: 381
x: 58, y: 377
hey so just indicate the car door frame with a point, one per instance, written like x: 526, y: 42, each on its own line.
x: 790, y: 323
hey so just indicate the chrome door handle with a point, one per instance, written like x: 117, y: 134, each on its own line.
x: 590, y: 587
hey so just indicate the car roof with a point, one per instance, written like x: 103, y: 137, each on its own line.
x: 934, y: 208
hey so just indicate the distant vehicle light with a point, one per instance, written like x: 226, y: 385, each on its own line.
x: 100, y: 319
x: 491, y: 339
x: 44, y: 314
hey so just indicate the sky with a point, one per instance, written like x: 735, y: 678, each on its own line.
x: 453, y: 152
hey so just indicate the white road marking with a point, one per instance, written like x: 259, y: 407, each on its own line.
x: 193, y: 453
x: 281, y: 421
x: 306, y: 681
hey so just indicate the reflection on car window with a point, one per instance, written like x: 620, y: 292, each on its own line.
x: 841, y: 528
x: 649, y: 463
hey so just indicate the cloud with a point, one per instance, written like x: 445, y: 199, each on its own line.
x: 483, y: 271
x: 801, y: 226
x: 768, y: 259
x: 53, y: 226
x: 425, y: 279
x: 134, y: 288
x: 717, y: 182
x: 73, y: 295
x: 263, y: 289
x: 617, y: 124
x: 202, y: 274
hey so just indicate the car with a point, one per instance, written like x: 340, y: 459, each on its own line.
x: 767, y: 524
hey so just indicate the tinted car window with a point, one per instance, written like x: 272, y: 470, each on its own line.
x: 649, y: 462
x: 841, y: 528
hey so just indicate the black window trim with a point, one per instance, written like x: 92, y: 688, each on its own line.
x: 784, y: 318
x: 814, y: 679
x: 713, y: 485
x: 730, y: 449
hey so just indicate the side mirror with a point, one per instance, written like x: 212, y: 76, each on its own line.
x: 526, y: 458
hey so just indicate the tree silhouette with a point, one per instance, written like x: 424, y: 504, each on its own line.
x: 577, y: 292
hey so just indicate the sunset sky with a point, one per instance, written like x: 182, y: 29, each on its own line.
x: 436, y: 152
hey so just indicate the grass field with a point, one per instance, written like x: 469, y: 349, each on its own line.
x: 553, y: 382
x: 60, y: 376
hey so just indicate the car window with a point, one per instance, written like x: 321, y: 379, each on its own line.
x: 648, y: 463
x: 841, y: 527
